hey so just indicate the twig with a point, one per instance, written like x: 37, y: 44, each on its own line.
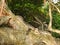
x: 36, y: 22
x: 39, y: 22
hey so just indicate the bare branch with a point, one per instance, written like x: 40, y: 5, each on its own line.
x: 39, y: 21
x: 50, y: 23
x: 55, y: 7
x: 54, y: 30
x: 50, y: 15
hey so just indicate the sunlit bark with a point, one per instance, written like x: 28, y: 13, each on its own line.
x: 50, y: 15
x: 2, y: 6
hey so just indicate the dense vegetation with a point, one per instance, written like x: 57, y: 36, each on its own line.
x: 30, y: 8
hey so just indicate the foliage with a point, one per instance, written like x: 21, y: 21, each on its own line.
x: 56, y: 20
x: 30, y: 8
x: 25, y: 8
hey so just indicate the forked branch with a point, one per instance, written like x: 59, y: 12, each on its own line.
x: 50, y: 22
x: 55, y: 7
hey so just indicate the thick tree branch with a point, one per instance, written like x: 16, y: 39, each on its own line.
x: 50, y: 15
x: 54, y: 30
x: 2, y: 6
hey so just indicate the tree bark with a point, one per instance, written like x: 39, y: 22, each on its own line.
x: 17, y: 32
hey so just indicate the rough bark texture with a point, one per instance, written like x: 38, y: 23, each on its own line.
x: 14, y: 31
